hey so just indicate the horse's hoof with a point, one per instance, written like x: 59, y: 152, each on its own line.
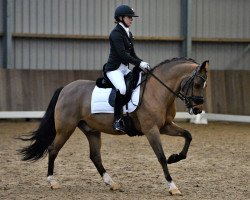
x: 175, y: 192
x: 55, y: 186
x: 116, y: 186
x: 53, y: 183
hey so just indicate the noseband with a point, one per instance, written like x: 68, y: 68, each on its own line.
x: 189, y: 100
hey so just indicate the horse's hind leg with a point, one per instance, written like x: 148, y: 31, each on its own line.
x: 174, y: 130
x: 94, y: 139
x: 62, y: 135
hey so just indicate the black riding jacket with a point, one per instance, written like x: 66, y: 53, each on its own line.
x: 121, y: 49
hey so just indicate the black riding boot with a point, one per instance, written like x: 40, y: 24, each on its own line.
x: 118, y: 124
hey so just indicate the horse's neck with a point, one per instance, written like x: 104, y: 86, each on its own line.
x: 171, y: 77
x: 174, y: 75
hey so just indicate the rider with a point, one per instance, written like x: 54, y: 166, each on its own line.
x: 121, y: 54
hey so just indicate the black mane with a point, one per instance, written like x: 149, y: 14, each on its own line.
x: 180, y: 59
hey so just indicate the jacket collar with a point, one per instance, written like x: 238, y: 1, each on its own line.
x: 125, y: 28
x: 122, y: 30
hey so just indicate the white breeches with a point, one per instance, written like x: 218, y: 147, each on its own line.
x: 117, y: 78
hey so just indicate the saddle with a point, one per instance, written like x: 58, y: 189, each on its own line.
x: 131, y: 80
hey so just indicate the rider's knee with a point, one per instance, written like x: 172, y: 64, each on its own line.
x: 122, y: 90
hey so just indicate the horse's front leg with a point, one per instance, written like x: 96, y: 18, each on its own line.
x: 153, y: 136
x: 174, y: 130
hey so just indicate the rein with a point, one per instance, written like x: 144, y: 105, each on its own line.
x: 179, y: 95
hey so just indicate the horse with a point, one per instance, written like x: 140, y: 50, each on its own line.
x: 70, y: 107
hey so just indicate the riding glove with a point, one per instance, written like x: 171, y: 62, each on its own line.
x: 144, y: 65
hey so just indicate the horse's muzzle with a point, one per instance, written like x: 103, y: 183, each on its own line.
x: 194, y: 101
x: 194, y: 111
x: 198, y: 100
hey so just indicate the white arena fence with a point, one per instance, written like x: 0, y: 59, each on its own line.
x: 202, y: 118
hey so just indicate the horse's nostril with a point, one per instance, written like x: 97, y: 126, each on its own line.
x: 197, y: 111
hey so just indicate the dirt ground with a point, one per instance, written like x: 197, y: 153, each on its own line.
x: 217, y: 167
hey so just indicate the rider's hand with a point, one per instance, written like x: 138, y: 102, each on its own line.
x: 144, y: 66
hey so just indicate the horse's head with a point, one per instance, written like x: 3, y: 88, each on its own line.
x: 192, y: 88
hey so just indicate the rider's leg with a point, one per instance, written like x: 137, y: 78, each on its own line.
x: 117, y: 79
x: 118, y: 124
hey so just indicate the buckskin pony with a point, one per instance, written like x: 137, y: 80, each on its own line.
x: 70, y: 107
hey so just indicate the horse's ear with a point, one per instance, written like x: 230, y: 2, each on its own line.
x: 204, y: 66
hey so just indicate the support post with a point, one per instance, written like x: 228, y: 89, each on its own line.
x: 7, y: 34
x: 187, y: 28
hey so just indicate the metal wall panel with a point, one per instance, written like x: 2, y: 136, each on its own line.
x: 1, y: 32
x: 1, y: 17
x: 221, y: 19
x: 157, y: 18
x: 156, y: 52
x: 86, y: 54
x: 94, y: 17
x: 88, y: 17
x: 59, y: 54
x: 211, y: 19
x: 223, y: 56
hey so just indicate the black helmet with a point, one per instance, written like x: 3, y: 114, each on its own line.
x: 124, y: 10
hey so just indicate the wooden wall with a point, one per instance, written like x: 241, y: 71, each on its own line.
x: 31, y: 90
x: 228, y: 92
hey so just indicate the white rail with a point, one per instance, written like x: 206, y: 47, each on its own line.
x: 198, y: 119
x: 21, y: 114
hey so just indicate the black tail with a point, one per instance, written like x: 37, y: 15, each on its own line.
x: 44, y: 135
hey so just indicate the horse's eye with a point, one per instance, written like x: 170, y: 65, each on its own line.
x: 197, y: 86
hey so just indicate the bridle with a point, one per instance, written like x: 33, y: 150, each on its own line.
x: 183, y: 95
x: 198, y: 100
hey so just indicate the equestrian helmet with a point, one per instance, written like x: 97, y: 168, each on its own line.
x: 124, y: 10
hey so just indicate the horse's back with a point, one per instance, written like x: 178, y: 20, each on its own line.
x: 79, y: 86
x: 74, y: 99
x: 80, y: 83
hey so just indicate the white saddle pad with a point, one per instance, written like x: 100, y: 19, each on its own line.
x: 100, y: 97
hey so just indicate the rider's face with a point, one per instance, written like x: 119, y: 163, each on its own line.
x: 128, y: 20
